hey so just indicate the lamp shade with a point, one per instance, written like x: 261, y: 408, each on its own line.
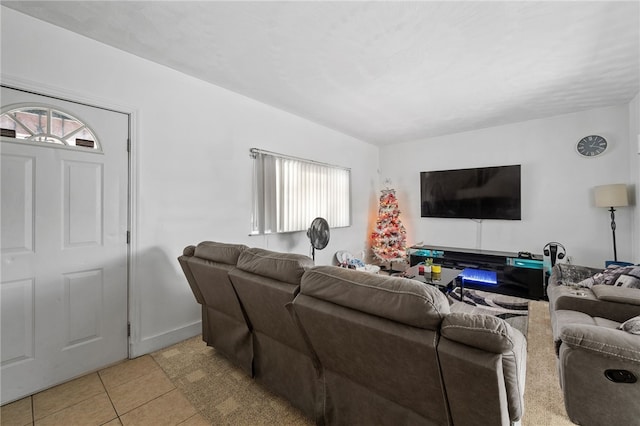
x: 614, y: 195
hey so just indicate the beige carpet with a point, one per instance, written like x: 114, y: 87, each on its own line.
x: 221, y: 392
x: 543, y: 403
x: 226, y: 396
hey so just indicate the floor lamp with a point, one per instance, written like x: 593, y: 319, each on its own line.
x: 611, y: 196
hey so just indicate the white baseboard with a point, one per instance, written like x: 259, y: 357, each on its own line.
x: 160, y: 341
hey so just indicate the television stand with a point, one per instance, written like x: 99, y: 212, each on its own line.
x: 493, y: 271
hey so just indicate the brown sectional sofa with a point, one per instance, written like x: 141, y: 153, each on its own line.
x: 590, y: 347
x: 349, y: 347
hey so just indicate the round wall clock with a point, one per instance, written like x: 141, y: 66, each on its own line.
x: 591, y: 146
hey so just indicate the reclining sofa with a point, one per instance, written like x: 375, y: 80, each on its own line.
x: 598, y: 363
x: 390, y: 352
x: 349, y: 347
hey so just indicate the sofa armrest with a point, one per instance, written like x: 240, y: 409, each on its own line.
x: 630, y: 296
x: 189, y: 251
x: 187, y: 254
x: 493, y: 336
x: 603, y: 341
x: 484, y: 332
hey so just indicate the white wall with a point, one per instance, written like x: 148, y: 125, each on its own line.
x: 193, y: 171
x: 557, y: 199
x: 634, y: 175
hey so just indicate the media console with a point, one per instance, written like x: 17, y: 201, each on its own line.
x: 494, y: 271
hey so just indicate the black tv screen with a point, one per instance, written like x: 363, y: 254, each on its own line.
x: 479, y: 193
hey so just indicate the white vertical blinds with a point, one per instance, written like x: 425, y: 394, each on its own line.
x: 288, y: 193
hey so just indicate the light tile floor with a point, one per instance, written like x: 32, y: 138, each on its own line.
x: 134, y: 392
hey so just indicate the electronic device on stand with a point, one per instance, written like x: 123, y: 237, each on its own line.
x: 552, y: 251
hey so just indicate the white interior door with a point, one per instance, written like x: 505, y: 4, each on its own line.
x: 64, y: 252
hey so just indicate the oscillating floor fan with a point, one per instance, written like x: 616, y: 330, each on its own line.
x: 318, y: 234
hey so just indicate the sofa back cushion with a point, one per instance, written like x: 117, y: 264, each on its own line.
x: 219, y: 252
x: 212, y: 279
x: 398, y: 299
x: 207, y: 267
x: 265, y: 281
x: 285, y: 267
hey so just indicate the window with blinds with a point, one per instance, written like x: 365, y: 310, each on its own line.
x: 288, y: 193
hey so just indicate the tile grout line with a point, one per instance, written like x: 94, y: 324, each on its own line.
x: 159, y: 396
x: 179, y: 390
x: 151, y: 400
x: 33, y: 405
x: 110, y: 400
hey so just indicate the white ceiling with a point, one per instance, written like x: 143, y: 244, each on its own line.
x: 384, y: 72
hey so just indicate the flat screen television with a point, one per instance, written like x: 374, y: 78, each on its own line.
x: 478, y: 193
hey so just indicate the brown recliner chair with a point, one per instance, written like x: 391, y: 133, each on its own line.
x: 224, y: 325
x: 266, y: 282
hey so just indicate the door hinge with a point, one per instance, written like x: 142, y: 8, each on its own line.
x: 128, y: 237
x: 128, y: 329
x: 128, y: 145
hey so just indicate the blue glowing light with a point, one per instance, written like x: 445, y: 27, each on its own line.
x: 479, y: 276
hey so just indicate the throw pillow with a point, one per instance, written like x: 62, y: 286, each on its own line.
x: 608, y: 276
x: 631, y: 325
x: 630, y: 279
x: 588, y: 282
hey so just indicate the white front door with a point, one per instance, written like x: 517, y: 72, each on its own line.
x: 64, y: 215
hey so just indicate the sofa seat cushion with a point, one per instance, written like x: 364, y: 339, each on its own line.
x: 399, y: 299
x: 565, y: 317
x: 219, y: 252
x: 285, y: 267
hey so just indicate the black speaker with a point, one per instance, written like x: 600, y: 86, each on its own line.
x: 551, y: 250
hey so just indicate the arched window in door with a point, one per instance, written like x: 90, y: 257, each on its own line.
x: 39, y: 123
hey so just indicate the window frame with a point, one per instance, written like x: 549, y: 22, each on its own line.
x: 50, y: 140
x: 265, y: 213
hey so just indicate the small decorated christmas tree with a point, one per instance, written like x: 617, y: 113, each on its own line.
x: 388, y: 240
